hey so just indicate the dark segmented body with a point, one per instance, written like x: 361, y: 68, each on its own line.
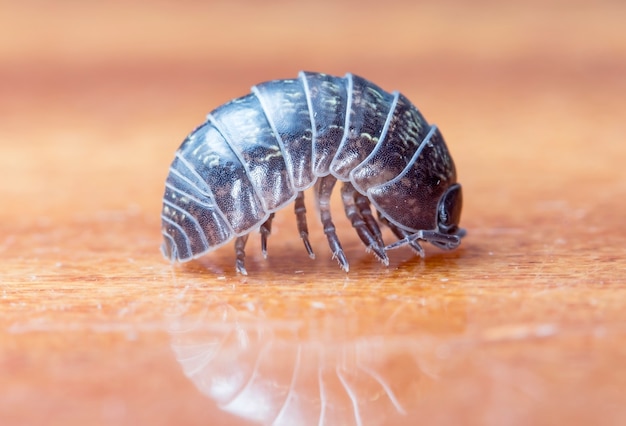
x: 256, y: 154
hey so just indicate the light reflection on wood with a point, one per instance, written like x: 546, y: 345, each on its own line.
x: 296, y: 370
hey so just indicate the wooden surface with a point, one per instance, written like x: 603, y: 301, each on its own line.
x: 524, y: 324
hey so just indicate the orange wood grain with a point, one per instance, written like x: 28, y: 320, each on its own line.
x: 524, y: 324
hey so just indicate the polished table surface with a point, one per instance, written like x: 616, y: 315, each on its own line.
x: 524, y: 324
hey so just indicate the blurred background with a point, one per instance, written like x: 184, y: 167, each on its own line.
x: 524, y: 324
x: 100, y: 82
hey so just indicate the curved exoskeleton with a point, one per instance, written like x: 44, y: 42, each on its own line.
x: 256, y: 154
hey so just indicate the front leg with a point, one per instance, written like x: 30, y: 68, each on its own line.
x: 403, y: 236
x: 443, y: 241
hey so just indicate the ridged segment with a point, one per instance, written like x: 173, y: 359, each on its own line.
x: 404, y: 134
x: 190, y: 216
x: 369, y: 107
x: 247, y: 131
x: 327, y: 96
x: 216, y: 164
x: 285, y: 105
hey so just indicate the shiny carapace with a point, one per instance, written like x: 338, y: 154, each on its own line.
x: 258, y: 154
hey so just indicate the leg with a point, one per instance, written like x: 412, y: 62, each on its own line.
x: 363, y: 204
x: 402, y: 235
x: 240, y: 245
x: 266, y: 230
x: 303, y: 229
x: 348, y: 195
x: 324, y: 188
x: 443, y: 241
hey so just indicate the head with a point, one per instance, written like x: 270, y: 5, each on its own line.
x: 448, y: 217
